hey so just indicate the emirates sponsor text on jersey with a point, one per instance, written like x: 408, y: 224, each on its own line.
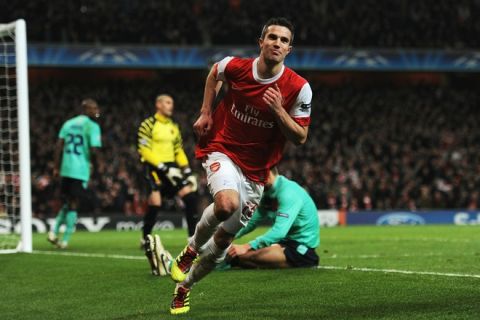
x: 250, y: 116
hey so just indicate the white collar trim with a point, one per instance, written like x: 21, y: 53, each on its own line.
x: 265, y: 81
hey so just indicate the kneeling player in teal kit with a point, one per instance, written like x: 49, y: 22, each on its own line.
x: 293, y: 238
x: 295, y: 233
x: 78, y: 141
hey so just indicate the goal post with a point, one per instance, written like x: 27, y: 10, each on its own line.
x: 15, y: 177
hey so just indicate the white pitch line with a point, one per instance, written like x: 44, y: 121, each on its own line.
x: 126, y: 257
x: 405, y: 255
x: 435, y: 239
x: 89, y: 255
x: 402, y: 239
x: 427, y: 273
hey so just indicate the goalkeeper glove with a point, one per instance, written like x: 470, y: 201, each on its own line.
x: 189, y: 178
x: 173, y: 174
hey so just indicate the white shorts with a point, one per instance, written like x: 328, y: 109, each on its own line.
x: 224, y: 174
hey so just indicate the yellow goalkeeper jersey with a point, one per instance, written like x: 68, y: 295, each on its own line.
x: 160, y: 141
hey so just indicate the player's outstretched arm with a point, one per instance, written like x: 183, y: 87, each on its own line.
x: 204, y: 123
x: 257, y: 217
x: 291, y: 130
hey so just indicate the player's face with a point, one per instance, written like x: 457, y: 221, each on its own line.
x: 275, y: 46
x: 165, y: 106
x: 93, y: 111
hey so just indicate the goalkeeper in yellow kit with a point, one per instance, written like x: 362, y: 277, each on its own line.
x: 167, y: 172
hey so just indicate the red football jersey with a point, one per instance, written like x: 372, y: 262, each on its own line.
x: 244, y: 128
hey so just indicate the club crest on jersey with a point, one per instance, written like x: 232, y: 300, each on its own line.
x: 214, y: 167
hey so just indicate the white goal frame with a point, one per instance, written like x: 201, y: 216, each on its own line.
x: 18, y: 28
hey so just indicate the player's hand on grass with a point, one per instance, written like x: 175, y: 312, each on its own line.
x: 238, y: 249
x: 203, y: 124
x: 273, y: 98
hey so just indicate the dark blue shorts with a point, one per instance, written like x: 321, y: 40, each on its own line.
x: 299, y: 256
x: 72, y: 189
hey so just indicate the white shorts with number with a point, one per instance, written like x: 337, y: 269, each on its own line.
x: 224, y: 174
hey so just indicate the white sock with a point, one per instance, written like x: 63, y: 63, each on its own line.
x: 205, y: 228
x: 208, y: 260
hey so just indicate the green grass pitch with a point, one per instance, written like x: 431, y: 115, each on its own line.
x: 366, y: 276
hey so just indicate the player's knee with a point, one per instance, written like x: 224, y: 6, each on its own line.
x: 225, y: 206
x: 184, y: 191
x: 155, y: 199
x: 155, y: 203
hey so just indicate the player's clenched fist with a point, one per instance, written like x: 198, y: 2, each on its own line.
x: 203, y: 124
x: 273, y: 98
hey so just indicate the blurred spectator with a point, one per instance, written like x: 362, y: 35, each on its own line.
x: 388, y: 148
x: 339, y: 23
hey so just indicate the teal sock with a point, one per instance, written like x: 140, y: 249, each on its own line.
x: 71, y: 219
x: 59, y: 220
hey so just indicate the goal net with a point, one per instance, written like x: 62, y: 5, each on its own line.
x: 15, y: 184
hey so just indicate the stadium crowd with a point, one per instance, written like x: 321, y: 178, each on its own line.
x: 397, y: 23
x: 369, y: 148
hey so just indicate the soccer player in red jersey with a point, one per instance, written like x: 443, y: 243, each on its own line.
x: 266, y: 105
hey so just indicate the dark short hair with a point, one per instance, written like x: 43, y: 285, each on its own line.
x: 279, y: 21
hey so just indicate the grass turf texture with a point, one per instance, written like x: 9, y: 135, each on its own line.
x: 41, y: 286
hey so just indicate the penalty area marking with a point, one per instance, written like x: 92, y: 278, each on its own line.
x: 127, y: 257
x: 425, y: 273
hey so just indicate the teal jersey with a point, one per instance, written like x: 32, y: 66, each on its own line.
x: 293, y: 213
x: 79, y: 134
